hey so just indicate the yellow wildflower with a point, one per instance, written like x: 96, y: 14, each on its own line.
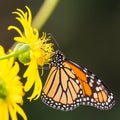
x: 11, y: 89
x: 41, y: 51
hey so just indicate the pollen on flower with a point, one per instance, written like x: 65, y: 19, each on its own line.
x: 41, y: 51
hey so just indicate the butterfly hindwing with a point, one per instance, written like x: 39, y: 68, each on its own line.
x: 60, y: 90
x: 69, y: 85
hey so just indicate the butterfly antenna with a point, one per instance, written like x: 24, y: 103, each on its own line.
x: 54, y: 40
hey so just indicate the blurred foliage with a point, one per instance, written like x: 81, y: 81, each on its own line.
x: 88, y: 32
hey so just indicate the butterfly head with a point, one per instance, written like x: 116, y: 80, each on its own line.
x: 58, y: 59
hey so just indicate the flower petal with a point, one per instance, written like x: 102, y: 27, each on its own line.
x: 30, y: 74
x: 20, y: 111
x: 33, y: 78
x: 12, y: 112
x: 4, y: 115
x: 37, y: 88
x: 12, y: 73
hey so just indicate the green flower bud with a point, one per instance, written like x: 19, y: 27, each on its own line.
x: 24, y: 57
x: 22, y: 52
x: 17, y: 47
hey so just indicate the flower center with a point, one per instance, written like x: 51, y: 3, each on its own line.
x: 3, y: 90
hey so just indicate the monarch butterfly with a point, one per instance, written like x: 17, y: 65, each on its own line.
x: 69, y: 85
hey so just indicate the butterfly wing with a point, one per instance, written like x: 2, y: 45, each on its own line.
x: 60, y: 90
x: 94, y: 92
x: 69, y: 85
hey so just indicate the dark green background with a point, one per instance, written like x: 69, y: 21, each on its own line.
x: 88, y: 32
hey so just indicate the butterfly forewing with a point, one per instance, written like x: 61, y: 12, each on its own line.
x: 94, y: 92
x: 69, y: 85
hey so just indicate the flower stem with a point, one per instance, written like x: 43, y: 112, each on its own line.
x: 44, y: 13
x: 13, y: 54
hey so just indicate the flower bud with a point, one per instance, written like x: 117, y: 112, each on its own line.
x: 22, y: 52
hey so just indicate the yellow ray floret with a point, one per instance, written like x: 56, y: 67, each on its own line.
x: 11, y: 89
x: 41, y: 50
